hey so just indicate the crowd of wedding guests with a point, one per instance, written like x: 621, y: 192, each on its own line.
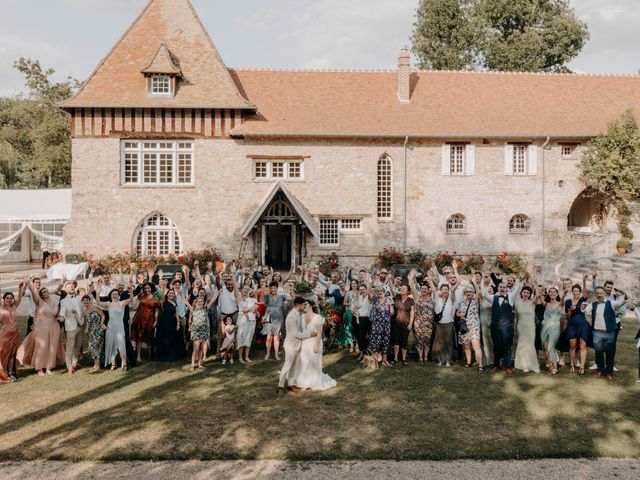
x: 485, y: 319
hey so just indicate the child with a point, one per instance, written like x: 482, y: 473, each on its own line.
x: 229, y: 342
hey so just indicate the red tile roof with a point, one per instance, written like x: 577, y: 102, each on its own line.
x: 118, y: 81
x: 443, y: 104
x: 162, y: 63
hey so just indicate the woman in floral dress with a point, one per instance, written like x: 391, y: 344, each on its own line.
x: 381, y: 311
x: 200, y: 330
x: 423, y: 322
x: 468, y: 310
x: 94, y: 323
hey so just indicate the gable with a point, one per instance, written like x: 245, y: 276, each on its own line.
x: 118, y: 80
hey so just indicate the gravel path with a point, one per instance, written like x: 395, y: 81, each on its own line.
x: 371, y: 470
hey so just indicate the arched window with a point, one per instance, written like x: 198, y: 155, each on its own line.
x: 384, y: 188
x: 456, y: 224
x: 158, y: 235
x: 519, y: 224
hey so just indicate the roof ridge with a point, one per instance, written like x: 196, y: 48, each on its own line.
x: 414, y: 70
x: 314, y: 70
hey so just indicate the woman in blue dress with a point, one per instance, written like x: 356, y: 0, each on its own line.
x: 578, y: 328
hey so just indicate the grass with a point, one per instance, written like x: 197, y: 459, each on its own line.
x: 164, y: 412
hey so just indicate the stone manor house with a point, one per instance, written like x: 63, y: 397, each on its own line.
x: 173, y: 151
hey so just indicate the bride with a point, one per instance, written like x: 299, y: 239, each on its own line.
x: 309, y: 369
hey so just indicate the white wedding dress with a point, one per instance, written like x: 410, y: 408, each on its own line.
x: 308, y: 368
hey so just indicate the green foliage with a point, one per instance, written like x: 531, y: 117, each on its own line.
x: 622, y: 243
x: 35, y: 143
x: 610, y: 166
x: 509, y: 35
x: 444, y: 34
x: 624, y: 219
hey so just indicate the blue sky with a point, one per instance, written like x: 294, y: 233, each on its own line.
x: 73, y: 35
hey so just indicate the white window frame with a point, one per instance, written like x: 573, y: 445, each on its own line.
x: 454, y: 231
x: 269, y: 173
x: 178, y: 147
x: 389, y: 217
x: 323, y: 231
x: 516, y: 160
x: 453, y: 161
x: 143, y: 229
x: 517, y: 229
x: 163, y: 78
x: 572, y: 149
x: 348, y: 229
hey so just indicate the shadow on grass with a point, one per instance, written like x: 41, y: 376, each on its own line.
x: 416, y: 412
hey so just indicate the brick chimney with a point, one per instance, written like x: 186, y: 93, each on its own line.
x: 404, y: 76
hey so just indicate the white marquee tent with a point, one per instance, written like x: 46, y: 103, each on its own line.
x: 32, y: 221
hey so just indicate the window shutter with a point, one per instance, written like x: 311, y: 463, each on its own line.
x: 446, y: 159
x: 533, y: 160
x: 508, y: 159
x: 470, y: 160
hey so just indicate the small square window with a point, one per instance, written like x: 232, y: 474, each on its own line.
x: 294, y: 170
x: 277, y: 169
x: 260, y: 170
x: 160, y: 85
x: 567, y: 151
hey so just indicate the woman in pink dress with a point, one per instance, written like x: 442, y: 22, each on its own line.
x: 9, y: 336
x: 42, y: 349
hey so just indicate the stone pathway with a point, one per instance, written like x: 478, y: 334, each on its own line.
x: 371, y: 470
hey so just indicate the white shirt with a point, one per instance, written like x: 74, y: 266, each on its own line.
x: 227, y: 301
x: 511, y: 295
x: 363, y: 305
x: 447, y: 309
x: 105, y: 289
x: 599, y: 323
x: 68, y: 305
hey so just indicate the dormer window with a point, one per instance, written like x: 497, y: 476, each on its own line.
x: 161, y: 85
x: 162, y: 73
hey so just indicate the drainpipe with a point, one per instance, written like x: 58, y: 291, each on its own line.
x: 544, y: 146
x: 404, y: 234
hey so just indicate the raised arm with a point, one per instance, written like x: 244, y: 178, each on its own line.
x: 34, y: 295
x: 21, y: 288
x: 131, y: 296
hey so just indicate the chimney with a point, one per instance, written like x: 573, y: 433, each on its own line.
x: 404, y: 76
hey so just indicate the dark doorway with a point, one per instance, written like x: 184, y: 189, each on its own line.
x: 278, y: 247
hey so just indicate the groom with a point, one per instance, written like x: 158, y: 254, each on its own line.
x: 292, y: 343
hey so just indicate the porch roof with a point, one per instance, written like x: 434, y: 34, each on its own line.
x: 300, y: 209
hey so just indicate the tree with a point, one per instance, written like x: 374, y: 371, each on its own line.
x: 35, y: 142
x: 509, y: 35
x: 444, y: 35
x: 610, y: 166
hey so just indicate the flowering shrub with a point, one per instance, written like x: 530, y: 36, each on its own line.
x: 443, y: 259
x: 328, y: 263
x: 389, y: 257
x: 332, y: 320
x: 133, y: 260
x: 302, y: 287
x: 473, y: 261
x: 509, y: 262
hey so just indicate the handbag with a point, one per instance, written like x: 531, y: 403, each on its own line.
x: 437, y: 316
x: 461, y: 323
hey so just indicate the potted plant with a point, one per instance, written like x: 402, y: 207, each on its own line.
x: 304, y: 290
x: 622, y: 245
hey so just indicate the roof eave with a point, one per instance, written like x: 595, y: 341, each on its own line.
x: 242, y: 134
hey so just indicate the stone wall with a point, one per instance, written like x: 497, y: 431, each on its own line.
x: 339, y: 180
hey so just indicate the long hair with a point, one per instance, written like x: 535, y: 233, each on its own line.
x: 314, y: 307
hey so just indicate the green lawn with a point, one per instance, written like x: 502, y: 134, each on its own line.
x: 417, y: 412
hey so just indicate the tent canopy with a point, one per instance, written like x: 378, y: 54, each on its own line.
x: 45, y: 206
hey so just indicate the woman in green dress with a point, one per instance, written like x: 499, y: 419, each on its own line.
x: 551, y: 329
x: 526, y: 354
x: 346, y: 337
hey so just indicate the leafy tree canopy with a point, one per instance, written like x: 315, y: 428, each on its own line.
x: 508, y: 35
